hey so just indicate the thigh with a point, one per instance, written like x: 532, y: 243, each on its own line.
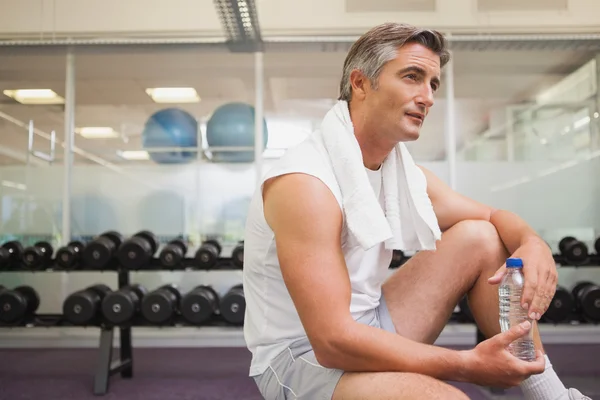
x: 297, y: 375
x: 393, y: 385
x: 422, y: 294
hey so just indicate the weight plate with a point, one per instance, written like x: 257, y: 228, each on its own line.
x: 170, y: 256
x: 33, y: 299
x: 577, y: 288
x: 576, y: 252
x: 115, y: 237
x: 98, y: 253
x: 47, y: 250
x: 560, y: 307
x: 76, y: 245
x: 233, y: 307
x: 158, y: 307
x: 179, y: 243
x: 135, y: 253
x: 216, y: 244
x: 80, y: 308
x: 564, y: 241
x: 100, y: 289
x: 590, y: 303
x: 237, y: 256
x: 172, y: 288
x: 4, y: 257
x: 207, y: 255
x: 33, y: 257
x: 465, y: 310
x: 15, y: 249
x: 397, y: 259
x: 12, y: 306
x: 66, y: 258
x: 197, y: 307
x: 151, y: 238
x: 139, y: 290
x: 118, y: 307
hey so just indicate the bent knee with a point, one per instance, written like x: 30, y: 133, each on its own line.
x: 478, y: 235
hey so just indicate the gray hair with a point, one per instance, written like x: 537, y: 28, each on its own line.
x: 380, y: 45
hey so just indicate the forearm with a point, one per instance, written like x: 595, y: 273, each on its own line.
x: 369, y: 349
x: 512, y: 229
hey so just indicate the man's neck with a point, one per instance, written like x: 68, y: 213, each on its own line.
x: 374, y: 152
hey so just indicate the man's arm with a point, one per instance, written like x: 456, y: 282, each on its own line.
x: 307, y: 222
x: 518, y: 237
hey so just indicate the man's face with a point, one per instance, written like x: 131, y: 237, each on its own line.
x: 404, y: 94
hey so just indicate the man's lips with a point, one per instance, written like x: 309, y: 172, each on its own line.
x: 418, y: 116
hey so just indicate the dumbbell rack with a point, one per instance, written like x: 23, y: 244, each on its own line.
x: 106, y: 366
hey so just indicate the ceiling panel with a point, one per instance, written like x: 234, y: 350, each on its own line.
x: 520, y: 5
x: 362, y: 6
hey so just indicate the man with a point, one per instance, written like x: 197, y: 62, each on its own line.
x: 323, y: 321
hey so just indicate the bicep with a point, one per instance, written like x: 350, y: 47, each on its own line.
x: 307, y: 222
x: 451, y: 207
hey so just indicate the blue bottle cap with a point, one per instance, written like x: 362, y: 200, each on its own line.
x: 514, y: 263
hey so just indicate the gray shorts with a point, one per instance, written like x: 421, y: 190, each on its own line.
x: 296, y: 374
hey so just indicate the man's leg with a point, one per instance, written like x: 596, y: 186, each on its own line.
x: 421, y: 297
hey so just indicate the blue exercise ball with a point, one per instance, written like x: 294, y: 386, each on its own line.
x: 171, y: 127
x: 232, y: 125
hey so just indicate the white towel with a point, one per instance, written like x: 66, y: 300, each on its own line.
x: 409, y: 222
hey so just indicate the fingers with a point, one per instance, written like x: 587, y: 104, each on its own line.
x: 543, y: 297
x: 529, y: 290
x: 498, y: 275
x: 537, y: 366
x: 514, y: 333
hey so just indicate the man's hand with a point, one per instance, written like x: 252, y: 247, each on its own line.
x: 540, y: 274
x: 490, y: 363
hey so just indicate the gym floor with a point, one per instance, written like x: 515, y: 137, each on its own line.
x: 209, y: 374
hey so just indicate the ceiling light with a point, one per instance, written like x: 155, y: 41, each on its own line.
x: 173, y: 95
x: 134, y: 155
x: 97, y: 132
x: 14, y: 185
x: 596, y: 115
x: 34, y: 96
x: 581, y: 122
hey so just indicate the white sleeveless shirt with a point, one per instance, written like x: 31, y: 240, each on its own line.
x: 271, y: 321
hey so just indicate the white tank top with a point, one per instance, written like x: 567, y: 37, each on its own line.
x: 271, y: 321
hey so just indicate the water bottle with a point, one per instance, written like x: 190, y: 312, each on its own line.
x: 511, y: 312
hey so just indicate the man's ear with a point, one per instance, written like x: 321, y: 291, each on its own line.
x: 360, y: 84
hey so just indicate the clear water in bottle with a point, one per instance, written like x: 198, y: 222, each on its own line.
x: 511, y: 312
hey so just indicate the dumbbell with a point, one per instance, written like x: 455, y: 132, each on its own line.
x: 587, y: 300
x: 99, y: 252
x: 122, y: 305
x: 69, y: 256
x: 465, y: 313
x: 208, y: 254
x: 160, y: 305
x: 83, y: 307
x: 137, y: 251
x: 10, y: 254
x: 17, y: 303
x: 198, y: 305
x: 398, y: 258
x: 237, y: 255
x: 233, y: 305
x: 573, y: 250
x: 38, y: 256
x: 172, y: 254
x: 561, y: 306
